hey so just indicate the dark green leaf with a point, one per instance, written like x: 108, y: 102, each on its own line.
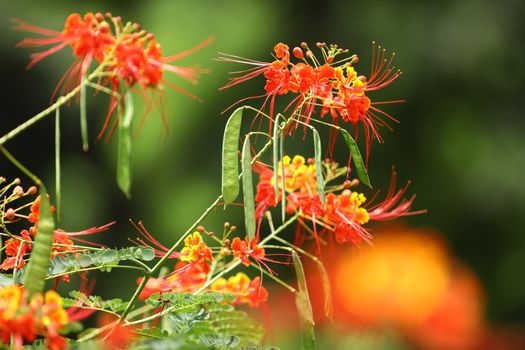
x: 356, y: 155
x: 40, y: 255
x: 230, y: 158
x: 304, y: 308
x: 247, y: 189
x: 318, y: 165
x: 124, y: 147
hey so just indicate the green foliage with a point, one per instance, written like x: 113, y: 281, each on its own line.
x: 124, y: 147
x: 39, y: 261
x: 278, y: 150
x: 80, y: 299
x: 103, y: 258
x: 247, y: 189
x: 83, y: 116
x: 180, y: 301
x: 205, y: 320
x: 318, y: 165
x: 230, y: 158
x: 356, y: 154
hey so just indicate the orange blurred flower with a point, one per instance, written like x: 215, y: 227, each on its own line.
x: 24, y: 320
x: 409, y: 282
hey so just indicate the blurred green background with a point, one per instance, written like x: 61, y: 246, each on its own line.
x: 461, y: 138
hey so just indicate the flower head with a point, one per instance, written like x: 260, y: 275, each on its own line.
x: 344, y: 214
x: 331, y: 82
x: 243, y: 250
x: 127, y: 56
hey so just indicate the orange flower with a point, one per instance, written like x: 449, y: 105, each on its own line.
x: 246, y: 291
x: 18, y: 247
x: 344, y: 214
x: 129, y: 55
x: 189, y: 274
x: 24, y: 320
x: 407, y: 282
x: 195, y: 250
x: 117, y: 337
x: 330, y: 83
x: 243, y: 250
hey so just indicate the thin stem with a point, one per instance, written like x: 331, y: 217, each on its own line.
x: 96, y: 268
x: 278, y: 280
x: 135, y: 295
x: 19, y: 165
x: 60, y: 102
x: 103, y: 89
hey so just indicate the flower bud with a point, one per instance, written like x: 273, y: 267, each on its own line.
x: 298, y: 53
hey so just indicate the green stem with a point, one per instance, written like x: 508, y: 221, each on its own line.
x: 192, y: 227
x: 57, y: 165
x: 278, y: 280
x: 19, y: 165
x: 60, y: 102
x: 96, y: 268
x: 83, y: 117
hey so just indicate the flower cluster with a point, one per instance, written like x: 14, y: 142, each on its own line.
x: 193, y: 269
x: 331, y: 83
x: 25, y: 319
x: 17, y: 247
x: 127, y: 54
x: 343, y: 213
x: 246, y: 291
x: 189, y: 274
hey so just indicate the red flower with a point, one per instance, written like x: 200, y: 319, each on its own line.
x: 332, y: 84
x: 344, y: 214
x: 128, y: 56
x: 243, y: 250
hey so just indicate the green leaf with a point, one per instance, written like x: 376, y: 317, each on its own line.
x: 41, y: 253
x: 327, y: 291
x: 318, y: 165
x: 276, y: 157
x: 247, y: 189
x: 124, y: 147
x: 278, y: 154
x: 304, y: 308
x: 230, y: 158
x: 83, y: 117
x: 58, y: 197
x: 80, y: 299
x: 145, y: 253
x: 356, y: 155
